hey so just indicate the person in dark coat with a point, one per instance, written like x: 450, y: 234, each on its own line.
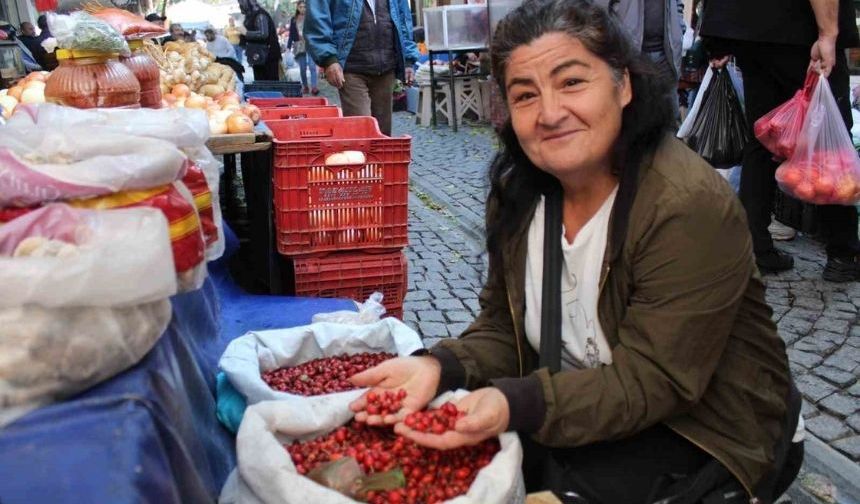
x: 262, y: 49
x: 774, y: 43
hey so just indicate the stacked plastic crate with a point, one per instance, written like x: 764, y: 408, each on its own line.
x: 341, y: 190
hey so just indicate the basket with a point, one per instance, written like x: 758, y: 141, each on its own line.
x: 317, y: 101
x: 285, y: 88
x: 327, y: 208
x: 354, y: 275
x: 276, y: 114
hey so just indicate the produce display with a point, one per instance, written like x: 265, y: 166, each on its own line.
x: 30, y: 89
x: 191, y: 64
x: 323, y: 376
x: 225, y: 111
x: 347, y: 459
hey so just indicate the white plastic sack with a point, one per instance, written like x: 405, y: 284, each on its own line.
x: 248, y: 356
x: 121, y: 258
x: 368, y: 312
x: 184, y: 128
x: 42, y: 163
x: 265, y: 472
x: 687, y: 125
x: 187, y: 129
x: 50, y: 354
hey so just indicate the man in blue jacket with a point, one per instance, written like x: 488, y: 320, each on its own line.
x: 363, y: 45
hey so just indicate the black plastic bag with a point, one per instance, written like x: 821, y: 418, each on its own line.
x: 719, y: 131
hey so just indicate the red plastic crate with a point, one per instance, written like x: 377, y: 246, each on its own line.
x: 282, y: 113
x: 354, y: 276
x: 315, y: 101
x: 321, y: 209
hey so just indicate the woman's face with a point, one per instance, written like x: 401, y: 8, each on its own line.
x: 300, y: 8
x: 565, y: 104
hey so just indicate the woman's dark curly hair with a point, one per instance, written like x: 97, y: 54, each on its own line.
x: 515, y: 182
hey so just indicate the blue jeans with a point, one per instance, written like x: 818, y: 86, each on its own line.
x: 306, y: 61
x: 240, y: 53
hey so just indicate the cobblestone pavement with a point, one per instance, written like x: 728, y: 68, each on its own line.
x: 818, y: 320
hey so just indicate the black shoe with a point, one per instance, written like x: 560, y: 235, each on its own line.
x: 773, y: 261
x: 841, y: 269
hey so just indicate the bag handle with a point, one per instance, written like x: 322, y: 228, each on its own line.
x: 550, y: 325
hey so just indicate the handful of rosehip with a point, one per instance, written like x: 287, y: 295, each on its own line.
x: 436, y: 421
x: 323, y: 376
x: 386, y: 403
x: 430, y: 476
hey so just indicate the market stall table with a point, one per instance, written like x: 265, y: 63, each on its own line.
x: 150, y: 434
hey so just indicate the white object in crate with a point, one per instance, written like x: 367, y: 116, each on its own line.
x: 456, y: 27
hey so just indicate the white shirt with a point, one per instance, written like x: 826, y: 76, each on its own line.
x: 221, y: 47
x: 583, y: 342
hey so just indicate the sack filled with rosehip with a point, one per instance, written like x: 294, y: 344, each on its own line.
x: 309, y: 367
x: 273, y: 439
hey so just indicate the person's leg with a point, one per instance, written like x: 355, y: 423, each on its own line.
x: 355, y: 95
x: 667, y: 74
x: 627, y: 470
x: 839, y: 222
x: 381, y: 99
x: 314, y: 73
x: 303, y: 68
x: 771, y: 76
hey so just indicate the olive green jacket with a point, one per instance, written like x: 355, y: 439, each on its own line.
x: 683, y: 308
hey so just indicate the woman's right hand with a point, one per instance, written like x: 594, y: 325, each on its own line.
x: 418, y: 376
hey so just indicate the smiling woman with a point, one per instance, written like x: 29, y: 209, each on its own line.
x: 623, y: 328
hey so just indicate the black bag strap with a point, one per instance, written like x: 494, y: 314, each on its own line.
x: 550, y: 325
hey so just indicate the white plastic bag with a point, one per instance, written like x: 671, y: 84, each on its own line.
x: 49, y: 354
x: 187, y: 129
x: 39, y: 164
x: 248, y: 356
x: 368, y: 312
x: 265, y: 472
x: 687, y: 126
x: 83, y: 296
x: 122, y: 258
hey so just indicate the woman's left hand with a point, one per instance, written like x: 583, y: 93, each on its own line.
x: 487, y: 416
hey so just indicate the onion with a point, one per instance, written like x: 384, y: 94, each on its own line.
x: 33, y: 94
x: 216, y: 126
x: 180, y: 90
x: 239, y: 123
x: 194, y: 100
x: 15, y: 92
x: 228, y: 100
x: 253, y: 112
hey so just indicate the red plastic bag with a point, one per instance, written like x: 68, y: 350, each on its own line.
x: 131, y: 26
x: 778, y: 129
x: 825, y: 168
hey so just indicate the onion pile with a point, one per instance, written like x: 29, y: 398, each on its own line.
x: 226, y: 112
x: 30, y: 89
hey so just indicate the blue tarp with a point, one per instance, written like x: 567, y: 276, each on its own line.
x: 149, y: 434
